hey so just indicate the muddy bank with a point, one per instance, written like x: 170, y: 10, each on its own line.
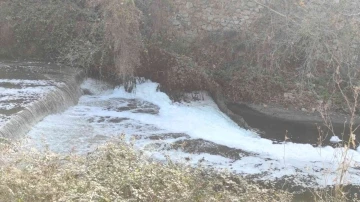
x: 298, y: 126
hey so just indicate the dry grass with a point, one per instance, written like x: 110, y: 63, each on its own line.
x: 307, y: 41
x: 115, y: 172
x: 348, y: 138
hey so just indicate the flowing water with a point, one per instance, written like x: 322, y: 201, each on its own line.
x: 194, y: 132
x: 30, y: 91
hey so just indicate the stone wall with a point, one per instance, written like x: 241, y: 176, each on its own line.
x: 198, y: 16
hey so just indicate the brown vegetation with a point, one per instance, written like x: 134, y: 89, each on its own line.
x: 101, y: 36
x: 293, y: 48
x: 115, y: 172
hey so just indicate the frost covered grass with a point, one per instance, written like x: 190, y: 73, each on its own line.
x: 116, y: 172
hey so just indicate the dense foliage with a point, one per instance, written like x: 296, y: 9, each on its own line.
x: 102, y: 36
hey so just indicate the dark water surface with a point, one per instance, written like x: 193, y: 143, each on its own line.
x: 304, y: 132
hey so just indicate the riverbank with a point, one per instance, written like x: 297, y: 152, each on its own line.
x: 117, y: 172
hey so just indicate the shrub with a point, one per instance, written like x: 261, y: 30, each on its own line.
x: 115, y: 172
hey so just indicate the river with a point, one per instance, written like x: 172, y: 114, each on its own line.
x: 194, y: 132
x: 162, y: 128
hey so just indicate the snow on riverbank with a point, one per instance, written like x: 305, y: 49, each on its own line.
x: 108, y: 113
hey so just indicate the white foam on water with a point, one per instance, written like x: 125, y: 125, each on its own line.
x: 3, y: 119
x: 27, y: 92
x: 83, y: 127
x: 25, y: 82
x: 13, y: 92
x: 335, y: 139
x: 96, y: 87
x: 28, y: 89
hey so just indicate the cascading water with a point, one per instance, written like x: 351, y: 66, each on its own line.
x: 192, y: 132
x: 49, y: 90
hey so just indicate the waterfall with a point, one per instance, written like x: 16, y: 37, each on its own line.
x: 65, y: 93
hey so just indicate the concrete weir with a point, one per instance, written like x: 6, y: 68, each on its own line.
x: 29, y: 91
